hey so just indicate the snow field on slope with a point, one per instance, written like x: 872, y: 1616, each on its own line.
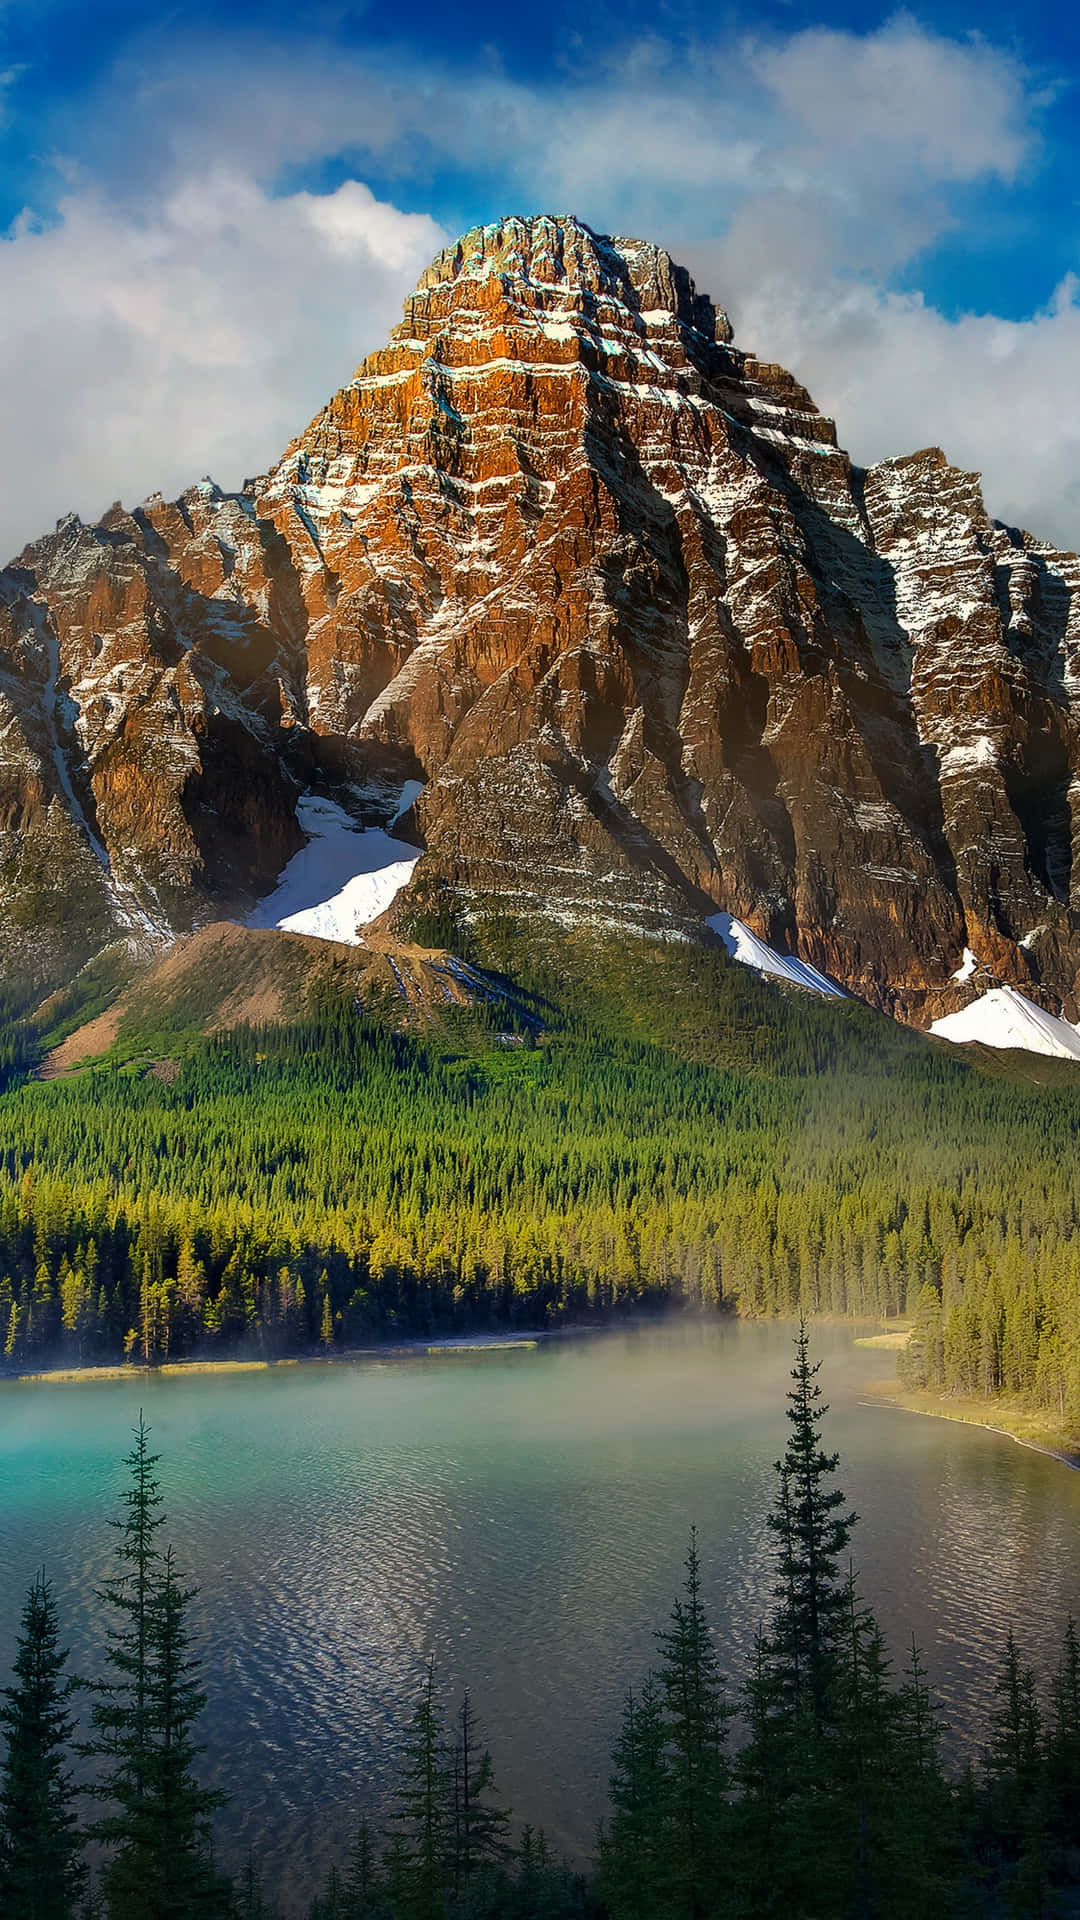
x: 1005, y: 1018
x: 752, y: 952
x: 343, y: 879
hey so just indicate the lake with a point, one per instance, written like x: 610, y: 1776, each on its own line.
x: 522, y: 1514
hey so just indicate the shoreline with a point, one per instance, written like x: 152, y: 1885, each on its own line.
x: 1011, y: 1420
x: 420, y: 1347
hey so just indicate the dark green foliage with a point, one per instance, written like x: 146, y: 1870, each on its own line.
x: 695, y: 1715
x: 665, y: 1851
x: 632, y: 1850
x: 416, y: 1866
x: 1063, y: 1744
x: 19, y: 1046
x: 1015, y: 1796
x: 157, y: 1833
x: 927, y: 1815
x: 812, y: 1532
x: 40, y: 1872
x: 249, y: 1900
x: 177, y: 1876
x: 120, y: 1714
x: 477, y: 1825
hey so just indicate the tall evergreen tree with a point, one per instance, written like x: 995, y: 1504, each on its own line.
x: 695, y: 1717
x: 119, y: 1714
x: 41, y: 1876
x: 179, y: 1880
x: 249, y: 1900
x: 157, y: 1834
x: 812, y: 1532
x: 417, y: 1864
x: 363, y: 1887
x: 864, y: 1762
x: 478, y: 1825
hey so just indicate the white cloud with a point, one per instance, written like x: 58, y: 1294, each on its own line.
x: 953, y: 110
x: 198, y: 335
x: 180, y: 318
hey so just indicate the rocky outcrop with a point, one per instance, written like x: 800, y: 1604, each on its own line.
x: 609, y: 588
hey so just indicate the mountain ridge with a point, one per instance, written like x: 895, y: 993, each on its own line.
x: 607, y: 587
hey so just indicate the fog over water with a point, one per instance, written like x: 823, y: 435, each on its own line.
x: 522, y: 1514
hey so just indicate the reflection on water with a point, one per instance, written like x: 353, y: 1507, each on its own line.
x: 522, y: 1515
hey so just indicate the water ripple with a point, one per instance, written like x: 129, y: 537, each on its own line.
x: 522, y: 1516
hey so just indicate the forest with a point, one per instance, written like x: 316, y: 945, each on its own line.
x: 810, y: 1785
x: 668, y: 1132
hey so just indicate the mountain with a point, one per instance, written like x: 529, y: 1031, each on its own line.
x: 591, y: 603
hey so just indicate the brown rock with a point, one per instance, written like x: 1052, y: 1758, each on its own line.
x: 610, y: 588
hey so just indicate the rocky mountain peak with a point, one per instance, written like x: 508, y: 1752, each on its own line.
x: 604, y: 588
x: 547, y: 254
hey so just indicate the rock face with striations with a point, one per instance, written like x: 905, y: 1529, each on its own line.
x: 607, y: 586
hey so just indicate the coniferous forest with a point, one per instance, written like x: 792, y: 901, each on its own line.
x: 646, y: 1129
x: 812, y: 1784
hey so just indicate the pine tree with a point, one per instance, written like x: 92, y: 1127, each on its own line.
x: 695, y: 1716
x: 925, y: 1836
x: 478, y: 1825
x: 416, y: 1865
x: 159, y: 1865
x: 119, y: 1715
x: 363, y: 1887
x: 813, y: 1533
x: 249, y: 1900
x: 798, y: 1771
x: 864, y: 1764
x: 40, y: 1871
x: 633, y: 1856
x: 176, y: 1813
x: 1063, y: 1742
x: 763, y: 1771
x: 1016, y: 1788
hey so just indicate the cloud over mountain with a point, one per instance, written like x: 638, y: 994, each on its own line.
x: 215, y: 262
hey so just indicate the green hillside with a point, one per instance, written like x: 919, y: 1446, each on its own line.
x: 618, y: 1124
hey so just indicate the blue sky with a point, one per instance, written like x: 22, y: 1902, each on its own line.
x: 211, y: 214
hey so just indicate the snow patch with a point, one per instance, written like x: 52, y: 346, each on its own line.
x: 342, y: 880
x: 1005, y: 1018
x: 967, y: 966
x: 752, y: 952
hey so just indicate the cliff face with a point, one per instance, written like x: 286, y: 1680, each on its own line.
x: 608, y: 587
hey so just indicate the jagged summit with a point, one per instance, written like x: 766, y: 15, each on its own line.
x: 558, y: 252
x: 602, y: 587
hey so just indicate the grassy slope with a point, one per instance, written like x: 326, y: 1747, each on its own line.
x: 671, y: 1061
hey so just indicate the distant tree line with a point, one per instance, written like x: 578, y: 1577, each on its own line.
x: 811, y: 1786
x: 313, y: 1187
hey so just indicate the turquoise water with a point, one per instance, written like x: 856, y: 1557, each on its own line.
x: 522, y: 1515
